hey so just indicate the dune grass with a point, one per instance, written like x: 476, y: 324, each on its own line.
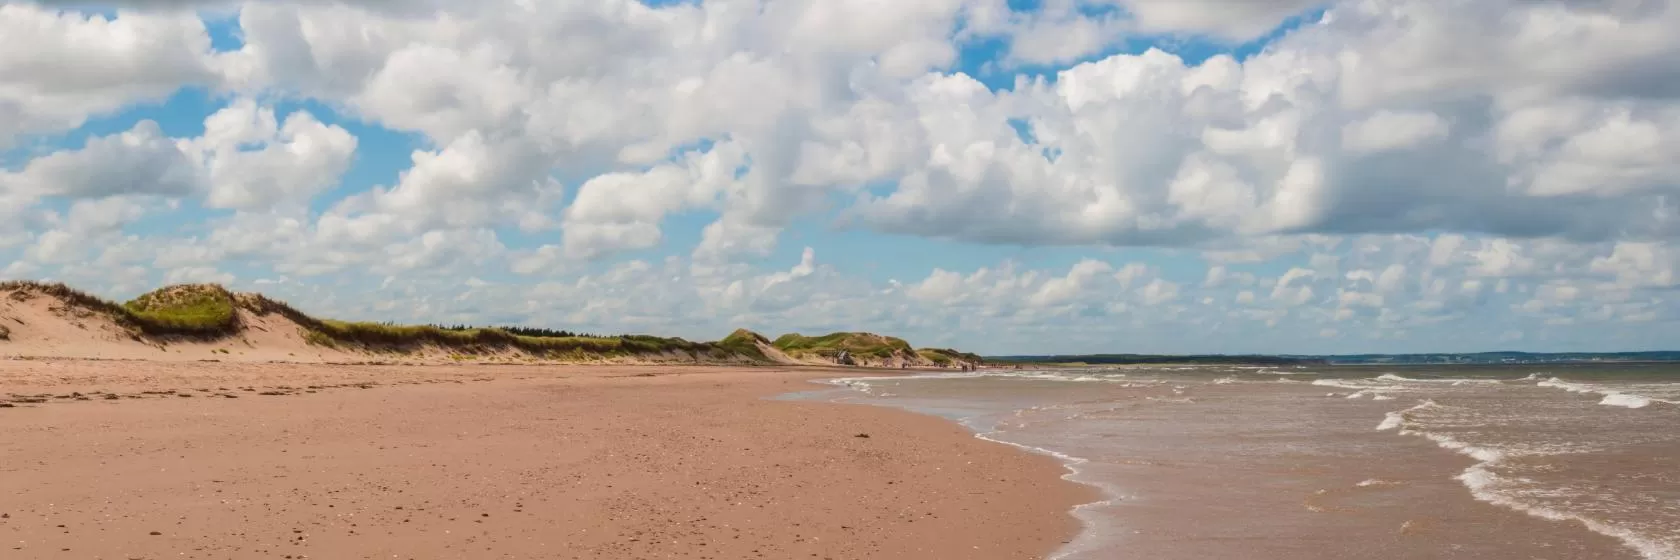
x: 207, y: 311
x: 469, y: 340
x: 947, y: 356
x: 186, y: 311
x: 409, y: 337
x: 188, y: 308
x: 211, y: 312
x: 938, y: 358
x: 830, y: 345
x: 745, y: 343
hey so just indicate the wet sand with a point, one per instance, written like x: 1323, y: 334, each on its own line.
x: 496, y: 462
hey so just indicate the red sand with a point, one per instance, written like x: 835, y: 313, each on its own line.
x: 496, y: 462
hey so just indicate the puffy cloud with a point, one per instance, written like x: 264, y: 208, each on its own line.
x: 58, y: 68
x: 140, y: 161
x: 1639, y: 264
x: 617, y: 211
x: 1388, y: 130
x: 475, y: 181
x: 1335, y: 128
x: 1159, y: 291
x: 176, y: 5
x: 1220, y: 18
x: 242, y: 161
x: 253, y: 164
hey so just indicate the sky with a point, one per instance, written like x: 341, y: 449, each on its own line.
x: 1001, y: 176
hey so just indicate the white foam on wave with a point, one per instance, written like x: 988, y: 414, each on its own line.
x: 1445, y: 380
x: 1369, y: 482
x: 1483, y: 454
x: 1391, y: 421
x: 1611, y: 397
x: 1556, y: 383
x: 1397, y: 418
x: 1357, y: 384
x: 1622, y: 399
x: 1485, y: 485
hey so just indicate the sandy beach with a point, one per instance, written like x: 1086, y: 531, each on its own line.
x: 137, y: 459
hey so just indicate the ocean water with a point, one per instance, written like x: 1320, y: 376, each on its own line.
x: 1559, y: 461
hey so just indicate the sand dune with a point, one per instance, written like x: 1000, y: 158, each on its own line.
x: 203, y: 322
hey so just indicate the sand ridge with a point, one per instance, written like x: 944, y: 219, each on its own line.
x: 206, y: 322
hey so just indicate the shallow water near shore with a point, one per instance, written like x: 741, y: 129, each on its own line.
x: 1552, y: 461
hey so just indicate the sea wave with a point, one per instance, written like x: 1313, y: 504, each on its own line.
x: 1397, y: 419
x: 1356, y: 384
x: 1445, y: 380
x: 1376, y: 482
x: 1485, y: 484
x: 1626, y: 397
x: 1396, y: 383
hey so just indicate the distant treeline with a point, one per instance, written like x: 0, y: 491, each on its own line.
x: 1352, y: 359
x: 536, y: 332
x: 1507, y: 358
x: 1123, y: 359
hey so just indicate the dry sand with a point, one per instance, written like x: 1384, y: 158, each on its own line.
x: 138, y: 459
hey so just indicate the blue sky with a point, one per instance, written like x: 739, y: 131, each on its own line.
x: 1082, y: 176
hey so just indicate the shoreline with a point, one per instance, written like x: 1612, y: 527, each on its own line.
x: 592, y: 461
x: 1095, y: 494
x: 1098, y: 494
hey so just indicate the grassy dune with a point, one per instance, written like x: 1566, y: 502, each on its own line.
x: 862, y: 345
x: 947, y: 357
x: 208, y: 312
x: 189, y: 311
x: 185, y: 309
x: 745, y: 342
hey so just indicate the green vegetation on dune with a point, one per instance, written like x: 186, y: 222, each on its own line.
x: 947, y: 356
x: 393, y: 337
x: 194, y: 311
x: 210, y: 312
x: 522, y: 331
x: 959, y: 355
x: 411, y: 337
x: 202, y: 309
x: 855, y: 343
x: 745, y: 343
